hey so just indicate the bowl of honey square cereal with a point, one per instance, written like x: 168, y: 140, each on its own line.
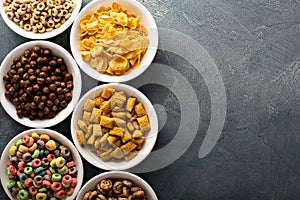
x: 114, y: 41
x: 41, y: 164
x: 41, y: 19
x: 114, y: 126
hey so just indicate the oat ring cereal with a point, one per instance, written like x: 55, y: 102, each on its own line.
x: 28, y: 13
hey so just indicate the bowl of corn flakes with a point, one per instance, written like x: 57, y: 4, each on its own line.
x: 114, y: 126
x: 114, y: 41
x: 39, y: 19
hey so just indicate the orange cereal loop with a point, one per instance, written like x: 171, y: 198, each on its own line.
x: 45, y: 137
x: 33, y: 147
x: 31, y: 141
x: 50, y: 145
x: 70, y: 191
x: 23, y: 149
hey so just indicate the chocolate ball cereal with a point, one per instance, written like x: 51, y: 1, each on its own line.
x: 35, y: 88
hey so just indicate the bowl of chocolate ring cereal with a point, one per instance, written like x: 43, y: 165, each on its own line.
x: 40, y: 84
x: 41, y: 19
x: 114, y: 40
x: 114, y: 126
x: 117, y: 185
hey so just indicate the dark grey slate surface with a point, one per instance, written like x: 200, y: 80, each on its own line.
x: 256, y: 47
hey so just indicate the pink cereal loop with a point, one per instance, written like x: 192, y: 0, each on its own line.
x: 70, y: 164
x: 74, y: 182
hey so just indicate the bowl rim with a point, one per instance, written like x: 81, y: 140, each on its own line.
x: 133, y: 73
x: 62, y: 139
x: 112, y: 174
x: 6, y: 104
x: 38, y: 36
x: 85, y: 153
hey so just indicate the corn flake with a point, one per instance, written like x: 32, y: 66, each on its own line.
x: 112, y: 40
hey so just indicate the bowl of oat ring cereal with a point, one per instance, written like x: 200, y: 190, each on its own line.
x: 114, y: 40
x: 39, y: 19
x: 117, y: 185
x: 40, y: 84
x: 114, y: 126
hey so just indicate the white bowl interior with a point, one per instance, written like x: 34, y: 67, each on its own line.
x: 57, y: 136
x: 72, y: 68
x: 146, y: 19
x: 91, y: 184
x: 150, y: 139
x: 31, y: 35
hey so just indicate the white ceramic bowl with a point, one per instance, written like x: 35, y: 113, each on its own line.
x: 53, y: 134
x: 150, y: 137
x: 72, y: 68
x: 91, y: 184
x: 31, y: 35
x: 146, y: 19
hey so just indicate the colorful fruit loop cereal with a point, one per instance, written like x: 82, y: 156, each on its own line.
x: 40, y: 168
x: 112, y: 40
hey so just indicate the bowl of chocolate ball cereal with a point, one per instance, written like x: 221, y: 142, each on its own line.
x: 41, y: 164
x: 41, y: 19
x: 117, y: 185
x: 40, y: 84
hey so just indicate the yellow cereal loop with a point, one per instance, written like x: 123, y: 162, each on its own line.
x: 35, y: 136
x: 13, y: 150
x: 53, y: 163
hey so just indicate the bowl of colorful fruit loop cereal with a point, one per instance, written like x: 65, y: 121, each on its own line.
x: 41, y: 164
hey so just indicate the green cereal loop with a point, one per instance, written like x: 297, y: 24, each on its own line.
x: 38, y: 170
x: 57, y: 144
x: 52, y: 170
x: 63, y: 198
x: 23, y: 194
x: 29, y: 164
x: 43, y: 189
x: 56, y: 177
x: 28, y: 170
x: 53, y: 198
x: 63, y: 169
x: 42, y: 173
x: 20, y: 184
x: 35, y: 154
x: 19, y: 142
x: 11, y: 183
x: 8, y: 173
x: 42, y: 153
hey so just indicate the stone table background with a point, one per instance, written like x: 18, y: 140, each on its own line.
x: 256, y: 46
